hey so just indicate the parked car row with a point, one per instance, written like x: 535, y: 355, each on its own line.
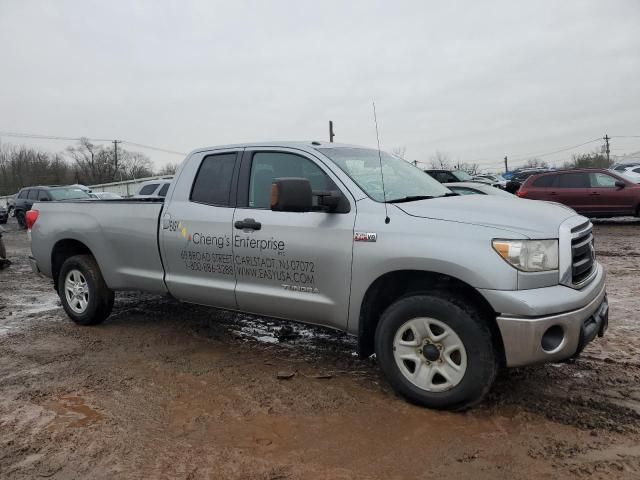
x: 454, y: 176
x: 590, y: 192
x: 19, y: 204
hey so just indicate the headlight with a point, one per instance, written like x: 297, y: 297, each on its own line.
x: 529, y: 255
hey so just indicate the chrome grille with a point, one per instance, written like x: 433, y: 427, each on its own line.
x: 582, y: 254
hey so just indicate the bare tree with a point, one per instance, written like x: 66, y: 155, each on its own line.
x: 440, y: 160
x: 135, y: 165
x: 470, y: 168
x: 168, y: 169
x: 536, y: 163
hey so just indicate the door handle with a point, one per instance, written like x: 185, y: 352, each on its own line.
x: 248, y: 224
x: 594, y: 193
x: 553, y: 193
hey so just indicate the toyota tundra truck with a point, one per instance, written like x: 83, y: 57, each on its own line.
x: 444, y: 289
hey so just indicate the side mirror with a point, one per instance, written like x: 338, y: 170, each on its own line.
x: 620, y: 184
x: 291, y: 195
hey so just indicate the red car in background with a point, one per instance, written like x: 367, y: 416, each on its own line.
x: 590, y: 192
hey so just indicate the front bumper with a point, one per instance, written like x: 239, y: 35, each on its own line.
x: 533, y: 333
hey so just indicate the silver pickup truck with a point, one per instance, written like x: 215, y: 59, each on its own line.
x: 444, y: 289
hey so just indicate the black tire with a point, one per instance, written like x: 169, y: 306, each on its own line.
x: 472, y: 330
x: 101, y: 298
x: 22, y: 221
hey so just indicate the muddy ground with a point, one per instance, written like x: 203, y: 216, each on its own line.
x: 167, y: 390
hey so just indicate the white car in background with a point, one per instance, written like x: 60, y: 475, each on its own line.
x: 630, y: 172
x: 495, y: 180
x: 477, y: 188
x: 153, y: 189
x: 104, y: 195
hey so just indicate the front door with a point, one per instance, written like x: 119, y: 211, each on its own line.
x: 605, y: 198
x: 196, y: 231
x: 288, y: 264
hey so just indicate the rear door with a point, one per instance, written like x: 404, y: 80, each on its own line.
x: 540, y: 188
x: 572, y: 189
x: 31, y: 198
x: 606, y: 198
x: 289, y: 264
x: 196, y: 230
x: 43, y: 196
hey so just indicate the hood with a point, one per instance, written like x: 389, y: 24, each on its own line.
x: 532, y: 218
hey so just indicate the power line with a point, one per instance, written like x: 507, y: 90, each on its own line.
x: 77, y: 139
x: 51, y: 137
x: 158, y: 149
x: 522, y: 157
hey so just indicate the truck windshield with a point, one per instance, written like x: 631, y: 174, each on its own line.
x: 68, y: 194
x: 402, y: 181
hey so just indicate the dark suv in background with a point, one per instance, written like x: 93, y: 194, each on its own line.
x: 26, y: 197
x: 449, y: 176
x: 590, y: 192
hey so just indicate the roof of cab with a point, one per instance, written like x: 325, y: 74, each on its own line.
x: 304, y: 145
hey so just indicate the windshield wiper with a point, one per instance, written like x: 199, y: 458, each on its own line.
x: 410, y: 198
x: 451, y: 194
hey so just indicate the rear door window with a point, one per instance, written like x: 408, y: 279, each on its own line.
x: 574, y: 180
x: 33, y: 194
x: 546, y: 181
x: 43, y: 195
x: 212, y: 184
x: 148, y: 189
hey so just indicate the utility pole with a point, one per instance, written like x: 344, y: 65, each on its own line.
x: 115, y: 155
x: 506, y: 166
x: 606, y: 142
x: 331, y: 134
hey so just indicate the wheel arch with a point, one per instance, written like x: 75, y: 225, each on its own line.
x: 62, y: 250
x: 391, y: 286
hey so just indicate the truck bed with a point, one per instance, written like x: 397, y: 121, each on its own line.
x: 122, y: 234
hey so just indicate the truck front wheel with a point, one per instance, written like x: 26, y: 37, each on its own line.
x: 84, y: 294
x: 436, y: 350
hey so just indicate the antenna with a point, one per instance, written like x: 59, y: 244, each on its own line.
x: 384, y: 193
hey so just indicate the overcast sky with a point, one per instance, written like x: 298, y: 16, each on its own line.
x: 476, y: 80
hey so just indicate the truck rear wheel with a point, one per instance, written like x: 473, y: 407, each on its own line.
x: 436, y: 351
x: 83, y: 292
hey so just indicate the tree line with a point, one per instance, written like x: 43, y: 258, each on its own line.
x: 85, y: 163
x: 595, y: 159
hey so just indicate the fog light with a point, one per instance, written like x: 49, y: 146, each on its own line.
x: 552, y: 338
